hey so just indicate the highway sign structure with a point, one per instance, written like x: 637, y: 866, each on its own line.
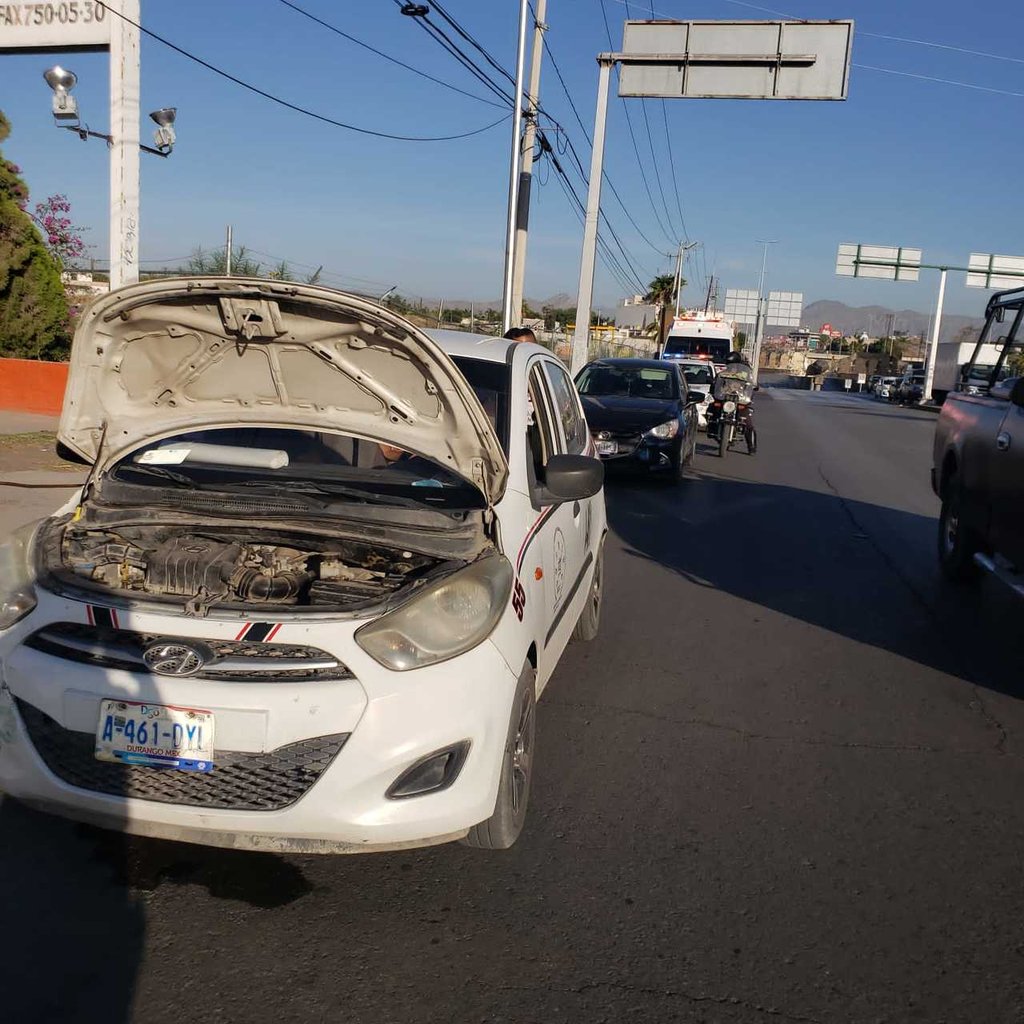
x: 741, y: 305
x: 884, y: 262
x: 765, y: 60
x: 785, y: 309
x: 985, y: 270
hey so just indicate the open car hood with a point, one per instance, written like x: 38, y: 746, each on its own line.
x: 159, y: 358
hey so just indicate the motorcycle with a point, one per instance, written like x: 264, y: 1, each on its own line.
x: 729, y: 417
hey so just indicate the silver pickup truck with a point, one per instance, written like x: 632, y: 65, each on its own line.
x: 978, y: 461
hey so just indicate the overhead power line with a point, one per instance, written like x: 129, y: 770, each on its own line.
x: 294, y: 106
x: 386, y: 56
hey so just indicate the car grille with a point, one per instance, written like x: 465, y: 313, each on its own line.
x: 238, y: 782
x: 628, y: 440
x: 228, y: 660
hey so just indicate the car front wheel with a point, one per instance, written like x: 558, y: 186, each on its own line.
x: 502, y: 828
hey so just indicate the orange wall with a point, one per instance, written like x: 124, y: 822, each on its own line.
x: 30, y: 385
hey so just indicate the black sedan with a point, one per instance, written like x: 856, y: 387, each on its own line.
x: 641, y: 414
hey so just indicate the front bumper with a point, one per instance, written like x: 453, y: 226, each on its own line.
x: 345, y: 741
x: 644, y: 455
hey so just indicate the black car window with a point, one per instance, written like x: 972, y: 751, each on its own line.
x: 609, y: 380
x: 491, y: 383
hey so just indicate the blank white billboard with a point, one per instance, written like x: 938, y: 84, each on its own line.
x: 885, y: 262
x: 785, y: 309
x: 990, y: 271
x: 741, y: 305
x: 757, y: 60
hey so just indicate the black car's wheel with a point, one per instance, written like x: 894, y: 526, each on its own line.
x: 502, y: 828
x: 957, y: 542
x: 589, y: 622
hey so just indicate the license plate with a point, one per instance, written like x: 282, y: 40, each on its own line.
x: 155, y: 734
x: 607, y: 447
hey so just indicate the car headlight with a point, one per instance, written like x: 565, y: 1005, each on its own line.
x: 446, y: 619
x: 17, y: 593
x: 664, y: 430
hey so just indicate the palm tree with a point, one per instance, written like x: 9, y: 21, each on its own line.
x: 661, y: 292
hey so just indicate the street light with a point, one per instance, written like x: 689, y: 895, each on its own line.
x: 65, y: 108
x: 61, y: 81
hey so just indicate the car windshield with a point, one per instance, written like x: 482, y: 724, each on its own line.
x: 323, y: 467
x: 608, y: 380
x: 490, y: 381
x: 697, y: 374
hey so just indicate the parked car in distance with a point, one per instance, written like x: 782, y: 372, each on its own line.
x: 909, y: 390
x: 978, y: 457
x: 322, y: 569
x: 641, y: 414
x: 699, y: 374
x: 884, y: 387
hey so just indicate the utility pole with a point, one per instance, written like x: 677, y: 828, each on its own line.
x: 515, y: 166
x: 526, y: 174
x: 684, y: 248
x: 227, y: 254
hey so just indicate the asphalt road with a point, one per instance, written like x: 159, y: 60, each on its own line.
x: 785, y: 784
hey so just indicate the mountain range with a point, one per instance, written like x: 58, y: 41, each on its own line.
x: 875, y: 320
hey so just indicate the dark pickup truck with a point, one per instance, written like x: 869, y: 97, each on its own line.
x: 978, y: 463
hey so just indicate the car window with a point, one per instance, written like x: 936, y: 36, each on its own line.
x: 543, y: 440
x: 490, y: 381
x: 567, y: 407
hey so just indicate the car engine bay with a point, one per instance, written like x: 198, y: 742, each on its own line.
x: 211, y: 566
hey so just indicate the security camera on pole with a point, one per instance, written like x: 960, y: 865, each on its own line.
x: 112, y: 26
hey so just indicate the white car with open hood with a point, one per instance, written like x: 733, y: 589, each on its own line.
x: 321, y: 568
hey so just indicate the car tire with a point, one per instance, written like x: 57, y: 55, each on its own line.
x: 503, y: 827
x: 957, y: 543
x: 589, y: 622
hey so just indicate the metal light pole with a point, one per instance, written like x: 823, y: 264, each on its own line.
x: 683, y: 250
x: 514, y: 169
x: 526, y: 174
x: 585, y: 295
x: 933, y: 351
x: 759, y: 325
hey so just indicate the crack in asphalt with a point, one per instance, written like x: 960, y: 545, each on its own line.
x: 979, y: 702
x: 690, y: 997
x: 910, y: 748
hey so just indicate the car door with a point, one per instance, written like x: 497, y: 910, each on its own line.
x: 571, y: 529
x: 1005, y: 457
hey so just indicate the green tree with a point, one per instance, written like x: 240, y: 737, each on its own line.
x: 33, y: 308
x: 661, y: 292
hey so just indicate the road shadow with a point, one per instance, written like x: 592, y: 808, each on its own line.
x: 846, y: 566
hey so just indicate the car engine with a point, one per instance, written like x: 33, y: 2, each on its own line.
x: 214, y: 568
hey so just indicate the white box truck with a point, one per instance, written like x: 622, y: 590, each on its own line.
x: 950, y: 361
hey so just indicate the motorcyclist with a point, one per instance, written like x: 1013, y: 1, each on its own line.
x: 736, y: 382
x: 736, y: 377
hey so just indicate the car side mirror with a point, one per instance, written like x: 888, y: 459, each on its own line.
x: 1017, y: 393
x: 573, y: 477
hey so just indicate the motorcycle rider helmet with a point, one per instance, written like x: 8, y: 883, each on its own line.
x: 735, y: 357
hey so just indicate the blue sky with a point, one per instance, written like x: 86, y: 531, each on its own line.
x: 903, y: 161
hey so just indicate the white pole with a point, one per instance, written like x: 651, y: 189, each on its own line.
x: 227, y: 251
x: 933, y: 351
x: 526, y: 174
x: 515, y: 166
x: 679, y: 275
x: 759, y: 323
x: 124, y: 149
x: 586, y: 290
